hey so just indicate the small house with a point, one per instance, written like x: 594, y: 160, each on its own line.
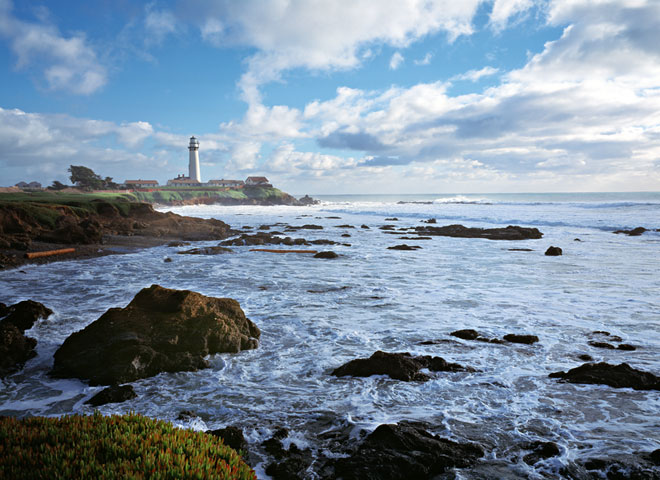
x: 141, y: 183
x: 257, y: 182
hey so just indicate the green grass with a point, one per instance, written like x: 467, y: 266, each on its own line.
x: 113, y: 447
x: 158, y: 196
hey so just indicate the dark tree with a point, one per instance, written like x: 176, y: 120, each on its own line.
x: 85, y: 178
x: 57, y: 186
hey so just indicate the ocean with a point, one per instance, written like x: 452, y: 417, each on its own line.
x: 315, y: 315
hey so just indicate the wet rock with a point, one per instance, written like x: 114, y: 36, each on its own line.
x: 327, y: 255
x: 307, y: 227
x: 178, y: 244
x: 509, y: 233
x: 232, y: 437
x: 161, y: 330
x: 620, y: 467
x: 307, y: 200
x: 15, y: 347
x: 399, y: 366
x: 524, y: 339
x: 346, y: 235
x: 466, y: 334
x: 553, y: 251
x: 626, y: 347
x: 430, y: 220
x: 617, y: 376
x: 540, y: 451
x: 520, y: 250
x: 112, y: 394
x: 635, y: 232
x: 366, y: 227
x: 187, y: 415
x: 585, y: 358
x: 206, y: 251
x: 404, y: 451
x: 392, y: 219
x: 167, y: 260
x: 345, y: 226
x: 604, y: 345
x: 25, y: 314
x: 322, y: 241
x: 264, y: 227
x: 415, y: 238
x: 577, y: 240
x: 333, y: 218
x: 404, y: 247
x: 291, y: 463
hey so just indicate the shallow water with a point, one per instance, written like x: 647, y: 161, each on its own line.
x: 317, y: 314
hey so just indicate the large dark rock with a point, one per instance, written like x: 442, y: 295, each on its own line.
x: 405, y: 451
x: 232, y: 437
x: 617, y: 376
x: 15, y: 347
x: 400, y: 366
x: 291, y: 463
x: 161, y: 330
x: 509, y: 233
x: 112, y: 394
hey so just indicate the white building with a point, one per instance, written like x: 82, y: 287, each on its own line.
x: 140, y: 183
x: 193, y: 165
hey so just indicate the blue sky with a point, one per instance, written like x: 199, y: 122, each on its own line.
x: 343, y: 96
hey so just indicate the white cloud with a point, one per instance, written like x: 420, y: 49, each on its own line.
x: 67, y: 63
x: 327, y: 36
x: 426, y: 60
x: 396, y: 61
x: 476, y: 75
x: 504, y: 10
x: 159, y: 24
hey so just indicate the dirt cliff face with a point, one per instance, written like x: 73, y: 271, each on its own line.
x: 84, y: 224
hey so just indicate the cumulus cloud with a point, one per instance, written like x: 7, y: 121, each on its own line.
x: 476, y: 75
x: 424, y: 61
x: 302, y: 34
x: 504, y: 10
x: 583, y: 113
x: 159, y: 24
x: 396, y: 61
x: 67, y: 63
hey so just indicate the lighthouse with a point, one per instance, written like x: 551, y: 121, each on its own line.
x: 193, y: 166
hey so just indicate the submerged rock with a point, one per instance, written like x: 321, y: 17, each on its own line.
x: 15, y: 347
x: 524, y: 339
x: 161, y: 330
x: 465, y: 334
x: 509, y: 233
x: 326, y: 255
x: 404, y: 247
x: 540, y: 451
x: 635, y: 232
x: 112, y: 394
x: 206, y: 251
x: 617, y: 376
x: 399, y: 366
x: 405, y: 450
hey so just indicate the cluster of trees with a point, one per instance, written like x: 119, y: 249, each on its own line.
x: 85, y: 179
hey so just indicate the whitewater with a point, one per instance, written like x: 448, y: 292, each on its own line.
x: 316, y: 315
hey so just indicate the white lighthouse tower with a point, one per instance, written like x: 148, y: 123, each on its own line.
x: 193, y: 166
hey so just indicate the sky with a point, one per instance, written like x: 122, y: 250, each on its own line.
x: 336, y: 96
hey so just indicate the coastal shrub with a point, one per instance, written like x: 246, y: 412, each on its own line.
x: 112, y: 447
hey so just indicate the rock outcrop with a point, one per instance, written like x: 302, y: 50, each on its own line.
x: 15, y: 347
x: 161, y: 330
x: 617, y: 376
x: 399, y: 366
x: 404, y: 450
x: 635, y: 232
x: 112, y: 394
x: 509, y: 233
x: 554, y: 251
